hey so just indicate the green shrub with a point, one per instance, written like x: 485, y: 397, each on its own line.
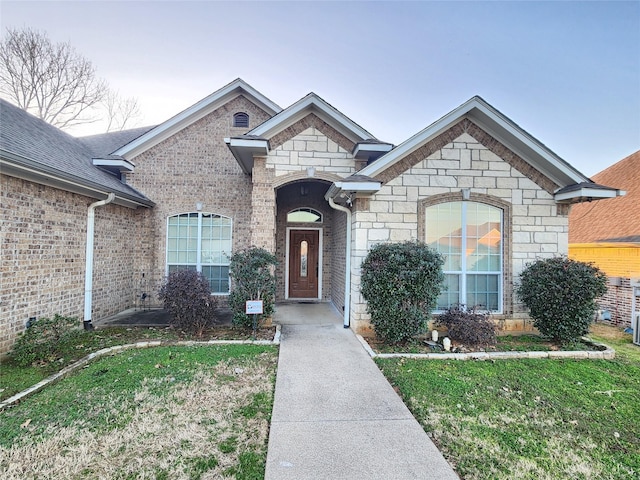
x: 561, y: 295
x: 44, y: 340
x: 252, y: 275
x: 468, y: 326
x: 401, y: 283
x: 186, y: 295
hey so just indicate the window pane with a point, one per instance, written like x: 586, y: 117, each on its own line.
x: 303, y: 258
x: 444, y: 232
x: 218, y: 278
x: 483, y: 236
x: 450, y: 293
x: 304, y: 215
x: 482, y: 291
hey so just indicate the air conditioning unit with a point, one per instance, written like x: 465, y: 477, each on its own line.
x: 636, y: 328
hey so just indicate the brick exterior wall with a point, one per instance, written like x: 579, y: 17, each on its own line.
x: 534, y: 226
x: 43, y: 255
x: 195, y: 165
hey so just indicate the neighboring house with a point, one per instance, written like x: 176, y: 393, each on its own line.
x: 608, y: 235
x: 305, y: 182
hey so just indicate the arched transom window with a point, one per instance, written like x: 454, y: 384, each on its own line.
x: 201, y: 241
x: 304, y: 215
x: 470, y: 237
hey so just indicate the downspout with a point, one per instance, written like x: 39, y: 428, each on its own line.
x: 88, y: 269
x: 347, y: 280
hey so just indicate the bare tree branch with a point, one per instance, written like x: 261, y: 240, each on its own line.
x: 120, y: 111
x: 52, y: 81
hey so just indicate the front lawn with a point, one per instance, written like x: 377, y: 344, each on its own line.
x: 14, y: 379
x: 542, y: 419
x: 164, y: 413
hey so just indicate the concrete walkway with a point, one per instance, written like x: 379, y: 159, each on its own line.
x: 335, y: 416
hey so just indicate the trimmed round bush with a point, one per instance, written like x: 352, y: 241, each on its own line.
x: 251, y: 270
x: 561, y: 296
x: 401, y: 283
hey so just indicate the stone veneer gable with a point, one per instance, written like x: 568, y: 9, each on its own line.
x: 448, y: 136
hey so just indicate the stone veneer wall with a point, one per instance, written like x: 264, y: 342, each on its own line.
x: 195, y: 165
x: 535, y: 226
x: 43, y: 255
x: 312, y: 143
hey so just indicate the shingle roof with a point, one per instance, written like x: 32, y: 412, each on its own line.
x: 106, y: 143
x: 611, y: 220
x: 28, y: 141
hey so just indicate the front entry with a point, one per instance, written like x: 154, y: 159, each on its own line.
x: 304, y: 255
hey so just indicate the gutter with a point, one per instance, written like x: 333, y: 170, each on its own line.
x: 88, y: 270
x: 347, y: 279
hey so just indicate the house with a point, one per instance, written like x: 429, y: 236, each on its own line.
x: 608, y: 235
x: 89, y: 225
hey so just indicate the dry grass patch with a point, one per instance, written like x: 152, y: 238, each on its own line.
x: 191, y: 414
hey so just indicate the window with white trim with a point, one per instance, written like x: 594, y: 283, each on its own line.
x: 202, y: 242
x: 470, y: 237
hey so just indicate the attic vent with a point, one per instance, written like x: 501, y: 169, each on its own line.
x: 241, y: 119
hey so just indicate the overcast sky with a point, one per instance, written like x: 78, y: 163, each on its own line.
x: 566, y: 72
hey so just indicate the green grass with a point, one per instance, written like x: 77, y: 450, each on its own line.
x: 14, y: 379
x: 164, y: 412
x: 538, y: 419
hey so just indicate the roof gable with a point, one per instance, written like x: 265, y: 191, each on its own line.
x: 309, y: 111
x: 194, y: 113
x: 497, y: 126
x: 311, y: 104
x: 617, y: 220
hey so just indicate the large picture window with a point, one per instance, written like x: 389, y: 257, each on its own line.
x: 201, y: 241
x: 470, y: 237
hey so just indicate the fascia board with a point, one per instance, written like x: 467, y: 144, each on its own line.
x: 497, y: 125
x: 88, y: 189
x: 524, y: 145
x: 304, y: 106
x: 605, y: 245
x: 368, y: 148
x: 193, y: 114
x: 371, y: 187
x: 243, y: 149
x: 594, y: 193
x: 122, y: 165
x: 255, y: 143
